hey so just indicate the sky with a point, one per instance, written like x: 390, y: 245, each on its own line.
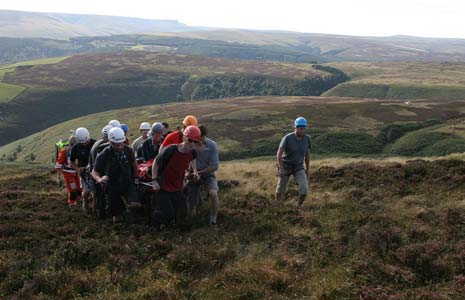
x: 426, y: 18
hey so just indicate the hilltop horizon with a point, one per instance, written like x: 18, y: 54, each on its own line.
x: 178, y: 25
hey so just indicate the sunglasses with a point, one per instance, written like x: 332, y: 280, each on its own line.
x: 192, y: 141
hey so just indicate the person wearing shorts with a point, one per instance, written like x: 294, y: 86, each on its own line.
x: 293, y: 158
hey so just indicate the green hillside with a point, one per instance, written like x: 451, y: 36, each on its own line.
x: 253, y: 126
x: 86, y: 84
x: 439, y: 81
x: 10, y: 91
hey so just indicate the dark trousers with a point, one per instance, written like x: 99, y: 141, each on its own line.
x: 170, y: 206
x: 118, y: 198
x: 100, y: 202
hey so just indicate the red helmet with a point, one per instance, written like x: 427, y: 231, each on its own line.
x: 192, y: 132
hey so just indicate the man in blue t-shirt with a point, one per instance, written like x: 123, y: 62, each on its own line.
x: 294, y: 159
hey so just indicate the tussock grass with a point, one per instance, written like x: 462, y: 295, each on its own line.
x: 371, y: 229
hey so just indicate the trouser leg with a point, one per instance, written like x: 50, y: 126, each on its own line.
x: 281, y: 188
x: 116, y: 202
x: 73, y: 187
x: 301, y: 179
x: 165, y: 212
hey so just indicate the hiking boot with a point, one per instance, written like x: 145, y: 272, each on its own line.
x: 212, y: 221
x: 134, y: 205
x: 85, y: 207
x: 117, y: 219
x: 300, y: 201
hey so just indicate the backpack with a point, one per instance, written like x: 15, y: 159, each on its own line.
x: 59, y: 146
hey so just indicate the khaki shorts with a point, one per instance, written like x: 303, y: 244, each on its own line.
x: 86, y: 182
x: 301, y: 179
x: 210, y: 182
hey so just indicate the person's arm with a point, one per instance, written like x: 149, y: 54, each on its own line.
x: 193, y: 167
x: 135, y: 168
x: 279, y: 155
x: 307, y: 161
x: 307, y: 156
x: 155, y: 183
x: 73, y: 158
x: 61, y: 160
x: 99, y: 168
x: 99, y: 178
x: 279, y: 158
x: 145, y: 151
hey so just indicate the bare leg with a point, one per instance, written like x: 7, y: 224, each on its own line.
x: 214, y: 203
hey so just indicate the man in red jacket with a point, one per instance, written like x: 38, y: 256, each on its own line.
x: 176, y: 136
x: 70, y: 175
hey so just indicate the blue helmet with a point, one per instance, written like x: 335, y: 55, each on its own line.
x: 300, y: 122
x: 125, y: 127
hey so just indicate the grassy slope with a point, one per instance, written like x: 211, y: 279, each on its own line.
x: 87, y: 84
x: 252, y: 126
x: 10, y: 91
x: 370, y: 230
x: 402, y: 80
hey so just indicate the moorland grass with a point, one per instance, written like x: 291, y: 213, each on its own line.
x: 369, y: 230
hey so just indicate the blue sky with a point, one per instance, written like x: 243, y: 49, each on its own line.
x: 428, y: 18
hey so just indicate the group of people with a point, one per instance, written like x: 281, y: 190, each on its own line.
x: 105, y: 173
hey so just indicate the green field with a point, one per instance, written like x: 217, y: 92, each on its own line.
x: 252, y: 126
x: 9, y: 91
x: 440, y: 81
x: 34, y: 62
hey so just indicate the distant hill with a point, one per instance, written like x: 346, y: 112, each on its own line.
x: 64, y: 26
x: 441, y: 81
x: 90, y: 83
x: 249, y: 45
x: 253, y: 126
x: 30, y: 35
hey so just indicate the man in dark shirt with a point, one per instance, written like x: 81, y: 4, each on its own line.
x: 151, y: 147
x: 116, y: 169
x: 81, y: 152
x: 97, y: 191
x: 168, y: 173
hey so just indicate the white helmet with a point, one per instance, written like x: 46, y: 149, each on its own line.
x: 116, y: 135
x: 82, y: 135
x: 105, y: 130
x: 145, y: 126
x: 114, y: 123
